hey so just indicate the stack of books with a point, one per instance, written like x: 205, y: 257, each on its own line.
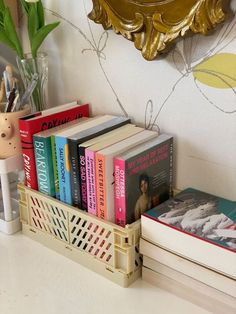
x: 189, y: 248
x: 104, y: 165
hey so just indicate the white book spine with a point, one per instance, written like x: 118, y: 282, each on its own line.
x: 202, y: 252
x: 189, y: 268
x: 193, y: 291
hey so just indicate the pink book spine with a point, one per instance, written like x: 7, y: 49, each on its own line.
x: 90, y: 176
x: 119, y: 188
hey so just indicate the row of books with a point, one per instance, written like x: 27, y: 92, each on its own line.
x: 104, y: 164
x: 189, y: 248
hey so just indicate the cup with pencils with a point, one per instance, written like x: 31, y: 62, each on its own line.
x: 12, y: 107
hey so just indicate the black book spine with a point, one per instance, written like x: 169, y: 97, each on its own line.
x: 76, y: 189
x: 75, y: 173
x: 83, y: 180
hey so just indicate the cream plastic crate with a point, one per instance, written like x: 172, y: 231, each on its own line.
x: 10, y: 169
x: 106, y: 248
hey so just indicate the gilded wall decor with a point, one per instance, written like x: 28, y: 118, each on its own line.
x: 153, y: 25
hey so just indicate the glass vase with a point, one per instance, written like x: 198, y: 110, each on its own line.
x: 27, y: 68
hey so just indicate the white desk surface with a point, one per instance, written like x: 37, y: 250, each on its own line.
x: 36, y: 280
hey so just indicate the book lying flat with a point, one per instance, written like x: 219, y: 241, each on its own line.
x: 155, y: 257
x: 191, y: 290
x: 196, y: 225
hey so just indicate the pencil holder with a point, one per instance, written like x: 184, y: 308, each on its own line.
x: 10, y: 143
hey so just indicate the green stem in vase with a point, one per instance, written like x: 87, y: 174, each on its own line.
x: 37, y: 30
x: 28, y: 67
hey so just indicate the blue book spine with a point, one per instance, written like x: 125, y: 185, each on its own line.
x: 63, y: 167
x: 54, y: 165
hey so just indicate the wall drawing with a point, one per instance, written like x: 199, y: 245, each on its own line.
x: 211, y: 67
x: 97, y: 47
x: 187, y: 92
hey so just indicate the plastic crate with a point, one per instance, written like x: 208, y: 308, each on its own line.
x: 10, y: 169
x: 104, y: 247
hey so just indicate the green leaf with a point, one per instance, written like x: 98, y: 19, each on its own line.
x: 33, y: 23
x: 219, y: 71
x: 11, y: 32
x: 25, y: 6
x: 5, y: 40
x: 2, y: 6
x: 40, y: 11
x: 40, y: 36
x: 2, y: 11
x: 1, y: 22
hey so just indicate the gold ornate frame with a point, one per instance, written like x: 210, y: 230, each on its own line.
x: 154, y: 24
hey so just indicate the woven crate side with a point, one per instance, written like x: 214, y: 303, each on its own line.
x: 115, y: 246
x: 127, y: 245
x: 44, y: 213
x: 109, y: 243
x: 23, y: 207
x: 93, y: 237
x: 80, y: 257
x: 49, y: 217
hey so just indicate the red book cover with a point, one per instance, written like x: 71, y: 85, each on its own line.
x: 31, y: 124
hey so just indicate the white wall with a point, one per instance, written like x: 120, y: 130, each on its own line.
x: 118, y: 80
x: 6, y: 56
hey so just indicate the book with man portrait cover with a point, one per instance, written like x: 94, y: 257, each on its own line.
x: 143, y: 178
x: 202, y: 225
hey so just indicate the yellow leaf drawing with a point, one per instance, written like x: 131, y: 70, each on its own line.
x: 218, y: 71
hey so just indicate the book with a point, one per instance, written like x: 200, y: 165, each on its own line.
x: 191, y: 290
x: 154, y: 257
x: 85, y: 161
x: 55, y: 168
x: 109, y: 139
x: 62, y: 152
x: 39, y: 121
x: 202, y: 226
x: 54, y: 161
x: 50, y: 111
x: 105, y: 172
x: 45, y: 157
x: 143, y: 178
x: 77, y: 155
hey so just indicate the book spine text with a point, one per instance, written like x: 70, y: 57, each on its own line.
x: 75, y: 174
x: 28, y: 128
x: 119, y: 192
x: 43, y: 159
x: 91, y: 181
x: 100, y: 185
x: 63, y: 169
x: 54, y: 165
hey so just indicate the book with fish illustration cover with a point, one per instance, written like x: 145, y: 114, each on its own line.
x: 203, y: 226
